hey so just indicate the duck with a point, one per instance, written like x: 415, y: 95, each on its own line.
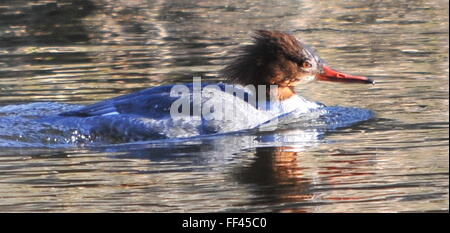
x: 270, y: 67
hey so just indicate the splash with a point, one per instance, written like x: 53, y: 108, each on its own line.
x: 38, y: 125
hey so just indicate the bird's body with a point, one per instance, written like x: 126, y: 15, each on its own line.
x: 261, y: 79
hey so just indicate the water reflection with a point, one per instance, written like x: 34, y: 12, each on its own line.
x: 277, y: 177
x: 46, y: 22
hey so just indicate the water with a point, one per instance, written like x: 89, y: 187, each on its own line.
x: 80, y: 52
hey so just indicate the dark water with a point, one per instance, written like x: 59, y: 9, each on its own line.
x: 80, y: 52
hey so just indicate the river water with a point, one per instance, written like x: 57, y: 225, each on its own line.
x: 57, y: 54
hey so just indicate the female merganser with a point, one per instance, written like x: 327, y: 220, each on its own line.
x: 274, y: 59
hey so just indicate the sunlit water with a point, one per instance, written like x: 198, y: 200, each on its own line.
x: 381, y: 148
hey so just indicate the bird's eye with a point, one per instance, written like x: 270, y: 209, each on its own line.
x: 306, y: 65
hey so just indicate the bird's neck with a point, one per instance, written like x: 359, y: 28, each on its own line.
x: 284, y: 93
x: 281, y: 93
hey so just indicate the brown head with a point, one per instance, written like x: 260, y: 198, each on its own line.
x: 278, y: 58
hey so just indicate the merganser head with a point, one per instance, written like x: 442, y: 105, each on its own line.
x: 278, y: 58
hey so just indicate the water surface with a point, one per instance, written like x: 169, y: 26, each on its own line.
x: 81, y: 52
